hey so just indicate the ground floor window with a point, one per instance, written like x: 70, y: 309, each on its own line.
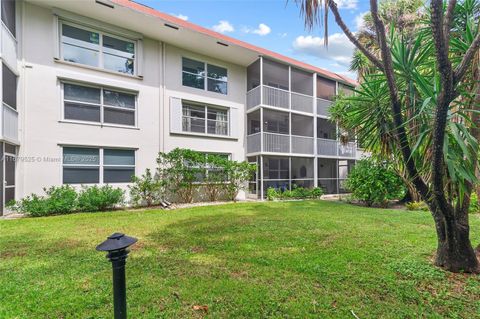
x: 89, y: 165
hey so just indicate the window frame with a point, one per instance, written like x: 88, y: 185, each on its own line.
x: 101, y: 166
x: 205, y: 118
x: 13, y: 33
x: 101, y: 34
x: 205, y: 76
x: 13, y: 108
x: 102, y: 104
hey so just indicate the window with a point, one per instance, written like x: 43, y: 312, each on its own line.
x: 215, y: 78
x: 9, y: 87
x: 100, y: 105
x: 118, y: 165
x: 97, y: 49
x: 82, y: 165
x: 204, y: 119
x: 8, y: 15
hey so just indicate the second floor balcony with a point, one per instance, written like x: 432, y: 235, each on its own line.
x: 273, y: 84
x: 299, y: 145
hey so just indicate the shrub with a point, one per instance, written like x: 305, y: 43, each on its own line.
x: 216, y: 176
x: 272, y: 193
x: 415, y: 206
x: 180, y: 170
x: 295, y: 193
x: 95, y: 198
x: 145, y: 190
x: 57, y: 200
x: 238, y: 174
x: 374, y: 182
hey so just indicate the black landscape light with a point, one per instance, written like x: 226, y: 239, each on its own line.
x: 116, y: 247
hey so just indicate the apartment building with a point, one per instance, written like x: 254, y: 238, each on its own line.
x: 92, y: 90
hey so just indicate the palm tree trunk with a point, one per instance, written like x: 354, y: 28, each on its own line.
x: 454, y: 251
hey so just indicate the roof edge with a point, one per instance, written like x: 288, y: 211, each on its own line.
x: 261, y: 51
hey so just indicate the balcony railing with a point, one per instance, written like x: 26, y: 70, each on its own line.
x: 322, y: 107
x: 276, y: 143
x: 302, y: 144
x: 276, y: 97
x: 253, y: 97
x: 9, y: 123
x: 254, y: 143
x: 279, y: 98
x: 326, y: 147
x: 302, y: 102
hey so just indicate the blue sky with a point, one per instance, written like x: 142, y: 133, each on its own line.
x: 273, y: 24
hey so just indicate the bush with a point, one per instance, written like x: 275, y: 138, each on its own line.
x: 145, y: 190
x: 64, y: 199
x: 183, y: 172
x: 295, y: 193
x: 374, y: 182
x: 97, y: 199
x: 57, y: 200
x: 415, y: 206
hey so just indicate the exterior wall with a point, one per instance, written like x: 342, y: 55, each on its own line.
x: 235, y: 99
x: 42, y: 115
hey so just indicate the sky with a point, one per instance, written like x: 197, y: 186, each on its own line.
x: 275, y: 25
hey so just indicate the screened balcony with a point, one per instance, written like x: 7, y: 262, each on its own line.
x: 277, y: 136
x: 326, y: 90
x: 331, y: 174
x: 284, y: 173
x: 274, y: 84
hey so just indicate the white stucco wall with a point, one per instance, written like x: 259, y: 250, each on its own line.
x: 235, y: 99
x: 43, y: 131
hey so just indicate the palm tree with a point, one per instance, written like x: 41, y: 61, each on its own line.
x: 426, y: 110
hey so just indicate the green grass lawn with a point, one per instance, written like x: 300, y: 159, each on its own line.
x: 251, y: 260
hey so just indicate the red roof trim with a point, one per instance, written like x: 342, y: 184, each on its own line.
x: 261, y: 51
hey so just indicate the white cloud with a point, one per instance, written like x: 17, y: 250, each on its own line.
x: 261, y: 30
x: 339, y: 49
x: 359, y: 20
x: 180, y: 16
x: 223, y: 26
x: 347, y: 4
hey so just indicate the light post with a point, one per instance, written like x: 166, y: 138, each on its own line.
x: 116, y: 247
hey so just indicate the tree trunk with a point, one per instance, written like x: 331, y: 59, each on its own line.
x: 454, y: 251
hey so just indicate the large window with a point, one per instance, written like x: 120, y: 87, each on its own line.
x: 97, y: 104
x: 82, y: 165
x: 201, y: 75
x: 8, y: 15
x: 9, y: 87
x: 325, y: 88
x: 94, y: 48
x: 204, y: 119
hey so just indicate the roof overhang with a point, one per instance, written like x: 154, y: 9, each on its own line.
x: 171, y: 30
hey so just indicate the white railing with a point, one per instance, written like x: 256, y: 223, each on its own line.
x: 302, y: 144
x: 276, y: 97
x: 9, y: 123
x: 328, y: 147
x: 254, y: 143
x: 323, y: 106
x: 276, y: 143
x: 347, y: 150
x: 302, y: 102
x: 253, y: 97
x: 8, y: 47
